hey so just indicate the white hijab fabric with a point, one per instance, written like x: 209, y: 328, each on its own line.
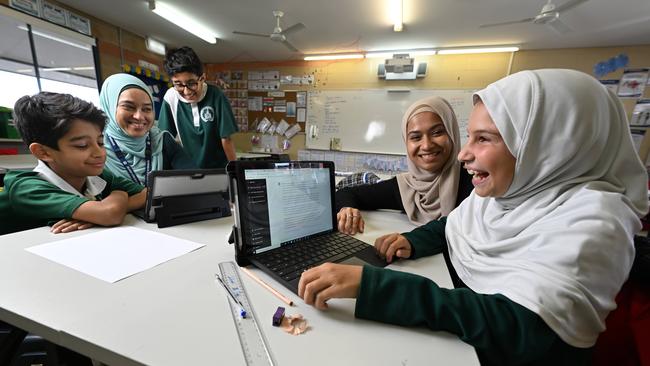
x: 425, y: 195
x: 559, y: 242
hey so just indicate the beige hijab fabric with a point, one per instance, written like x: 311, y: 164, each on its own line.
x: 425, y: 195
x: 560, y: 241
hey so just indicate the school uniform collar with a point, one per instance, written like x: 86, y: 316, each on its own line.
x: 94, y: 185
x: 196, y: 119
x: 204, y: 91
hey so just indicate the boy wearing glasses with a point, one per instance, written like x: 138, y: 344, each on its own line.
x: 196, y: 113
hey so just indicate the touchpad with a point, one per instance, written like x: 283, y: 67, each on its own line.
x: 355, y: 261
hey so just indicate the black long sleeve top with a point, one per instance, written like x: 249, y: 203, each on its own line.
x: 385, y: 194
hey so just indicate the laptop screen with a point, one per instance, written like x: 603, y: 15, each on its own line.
x: 285, y: 203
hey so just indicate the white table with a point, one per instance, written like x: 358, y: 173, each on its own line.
x: 175, y: 314
x: 20, y: 161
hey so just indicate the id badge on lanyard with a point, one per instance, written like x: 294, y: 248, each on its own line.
x: 128, y: 166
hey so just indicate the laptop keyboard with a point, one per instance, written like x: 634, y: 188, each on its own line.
x: 291, y: 260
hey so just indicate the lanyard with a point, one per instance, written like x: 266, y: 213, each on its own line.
x: 127, y: 165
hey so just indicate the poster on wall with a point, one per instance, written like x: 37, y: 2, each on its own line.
x: 291, y: 109
x: 632, y: 84
x: 78, y: 23
x: 27, y: 6
x: 53, y: 13
x: 641, y: 114
x: 301, y: 99
x: 302, y: 113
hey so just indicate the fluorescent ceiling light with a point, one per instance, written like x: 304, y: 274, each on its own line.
x: 343, y: 56
x: 455, y: 51
x: 381, y: 54
x: 398, y: 8
x: 423, y: 52
x: 389, y: 54
x: 155, y: 46
x: 182, y: 20
x: 55, y: 68
x: 55, y: 38
x: 77, y: 68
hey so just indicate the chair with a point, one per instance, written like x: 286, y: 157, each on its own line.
x: 18, y: 348
x: 34, y: 350
x: 10, y: 339
x: 626, y: 339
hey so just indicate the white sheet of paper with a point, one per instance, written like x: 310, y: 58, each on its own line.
x: 116, y: 253
x: 302, y: 113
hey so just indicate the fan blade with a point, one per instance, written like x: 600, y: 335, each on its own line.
x: 251, y: 34
x: 294, y: 28
x: 290, y: 46
x: 559, y: 26
x: 569, y: 5
x: 506, y: 23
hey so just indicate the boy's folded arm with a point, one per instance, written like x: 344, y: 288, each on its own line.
x: 108, y: 212
x: 137, y: 200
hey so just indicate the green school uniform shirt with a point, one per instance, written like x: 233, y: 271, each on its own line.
x: 199, y: 126
x: 502, y: 331
x: 29, y: 201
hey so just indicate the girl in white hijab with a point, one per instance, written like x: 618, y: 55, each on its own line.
x: 434, y: 184
x: 541, y: 246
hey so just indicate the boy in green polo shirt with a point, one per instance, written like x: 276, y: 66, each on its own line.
x: 197, y: 114
x: 69, y: 187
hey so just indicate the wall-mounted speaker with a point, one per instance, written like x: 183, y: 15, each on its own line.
x: 422, y: 70
x: 381, y: 71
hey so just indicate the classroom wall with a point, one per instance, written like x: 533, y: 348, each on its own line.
x: 111, y: 48
x: 443, y: 72
x: 583, y: 59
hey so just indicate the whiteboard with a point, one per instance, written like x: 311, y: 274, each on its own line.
x: 369, y: 120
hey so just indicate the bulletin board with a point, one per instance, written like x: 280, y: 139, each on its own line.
x: 276, y: 106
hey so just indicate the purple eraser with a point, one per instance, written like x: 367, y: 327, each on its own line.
x: 277, y: 317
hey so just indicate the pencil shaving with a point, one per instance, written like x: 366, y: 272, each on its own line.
x: 294, y: 324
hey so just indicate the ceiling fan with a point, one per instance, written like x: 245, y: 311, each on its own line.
x: 549, y: 15
x: 278, y: 35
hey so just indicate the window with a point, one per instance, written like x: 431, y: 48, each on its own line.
x: 17, y: 75
x: 65, y: 59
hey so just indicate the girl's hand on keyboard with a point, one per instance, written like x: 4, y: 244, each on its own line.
x: 393, y: 245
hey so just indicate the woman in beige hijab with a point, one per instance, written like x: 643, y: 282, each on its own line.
x: 434, y: 183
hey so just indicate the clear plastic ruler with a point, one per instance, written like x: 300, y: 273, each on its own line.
x: 253, y: 343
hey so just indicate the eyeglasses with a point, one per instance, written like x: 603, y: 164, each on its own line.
x: 191, y: 85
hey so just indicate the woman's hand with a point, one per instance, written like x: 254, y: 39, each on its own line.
x: 393, y: 245
x: 328, y: 281
x: 350, y: 221
x: 68, y: 225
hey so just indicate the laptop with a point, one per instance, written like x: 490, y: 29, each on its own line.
x: 181, y: 196
x: 285, y: 221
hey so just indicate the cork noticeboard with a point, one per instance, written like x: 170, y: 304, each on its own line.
x: 275, y: 106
